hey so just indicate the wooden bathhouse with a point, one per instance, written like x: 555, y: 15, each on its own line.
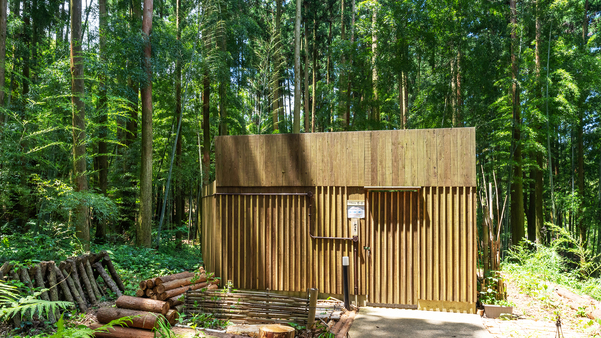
x: 284, y: 209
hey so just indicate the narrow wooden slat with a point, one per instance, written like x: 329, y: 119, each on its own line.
x: 404, y: 231
x: 398, y: 247
x: 449, y: 254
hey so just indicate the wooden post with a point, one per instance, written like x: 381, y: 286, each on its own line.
x: 107, y: 279
x: 312, y: 305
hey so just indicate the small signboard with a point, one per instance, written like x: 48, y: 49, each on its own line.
x: 355, y: 209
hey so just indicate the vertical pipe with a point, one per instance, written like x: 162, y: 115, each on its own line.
x: 345, y: 263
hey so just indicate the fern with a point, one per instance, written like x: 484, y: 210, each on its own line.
x: 82, y: 331
x: 8, y: 293
x: 11, y: 305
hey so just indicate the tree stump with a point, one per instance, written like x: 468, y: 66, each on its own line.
x: 276, y: 331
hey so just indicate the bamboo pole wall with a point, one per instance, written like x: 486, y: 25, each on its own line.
x: 422, y: 243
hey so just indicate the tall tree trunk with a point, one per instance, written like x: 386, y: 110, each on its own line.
x: 580, y: 140
x: 27, y: 43
x: 178, y: 184
x: 538, y: 175
x: 348, y: 88
x: 517, y: 192
x: 343, y: 74
x: 276, y: 70
x: 223, y: 85
x: 374, y: 69
x: 143, y: 233
x: 315, y: 71
x: 458, y: 99
x: 403, y: 85
x: 206, y: 129
x: 103, y: 130
x: 3, y: 13
x: 328, y: 73
x: 306, y: 76
x: 79, y: 124
x: 297, y: 75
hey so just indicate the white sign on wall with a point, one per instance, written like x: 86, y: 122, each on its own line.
x: 355, y: 209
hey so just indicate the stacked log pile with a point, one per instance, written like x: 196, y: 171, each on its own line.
x: 171, y: 288
x: 156, y: 301
x: 82, y: 280
x: 145, y: 315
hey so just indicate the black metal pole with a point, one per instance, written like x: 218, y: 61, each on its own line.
x: 345, y: 289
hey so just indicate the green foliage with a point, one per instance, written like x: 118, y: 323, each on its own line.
x: 207, y: 320
x: 12, y: 304
x: 534, y: 267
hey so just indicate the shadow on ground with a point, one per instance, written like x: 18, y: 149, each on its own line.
x: 380, y: 322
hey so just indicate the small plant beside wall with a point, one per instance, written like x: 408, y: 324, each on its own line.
x: 493, y: 298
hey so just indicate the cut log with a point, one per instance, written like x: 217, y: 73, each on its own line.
x: 140, y: 319
x: 276, y: 331
x: 149, y: 292
x: 107, y: 279
x: 52, y: 284
x: 83, y: 276
x: 139, y: 293
x: 143, y: 285
x: 24, y: 273
x: 150, y: 283
x: 39, y: 282
x: 175, y: 301
x: 176, y: 292
x: 81, y: 300
x: 142, y: 304
x: 109, y: 265
x: 62, y: 282
x: 178, y: 283
x: 172, y: 316
x: 92, y: 279
x: 346, y: 325
x: 120, y: 332
x: 5, y: 270
x: 165, y: 279
x: 15, y: 276
x: 75, y: 278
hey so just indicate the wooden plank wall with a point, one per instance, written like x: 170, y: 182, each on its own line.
x: 418, y: 157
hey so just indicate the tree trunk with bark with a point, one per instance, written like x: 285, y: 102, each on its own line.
x: 517, y: 192
x: 3, y: 14
x: 145, y: 222
x: 297, y: 76
x: 103, y: 163
x: 81, y: 213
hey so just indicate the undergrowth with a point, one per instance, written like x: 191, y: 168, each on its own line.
x: 58, y: 242
x: 534, y: 267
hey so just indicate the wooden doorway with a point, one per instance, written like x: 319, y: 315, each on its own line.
x: 393, y: 244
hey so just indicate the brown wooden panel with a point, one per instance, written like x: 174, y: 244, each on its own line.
x: 426, y: 157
